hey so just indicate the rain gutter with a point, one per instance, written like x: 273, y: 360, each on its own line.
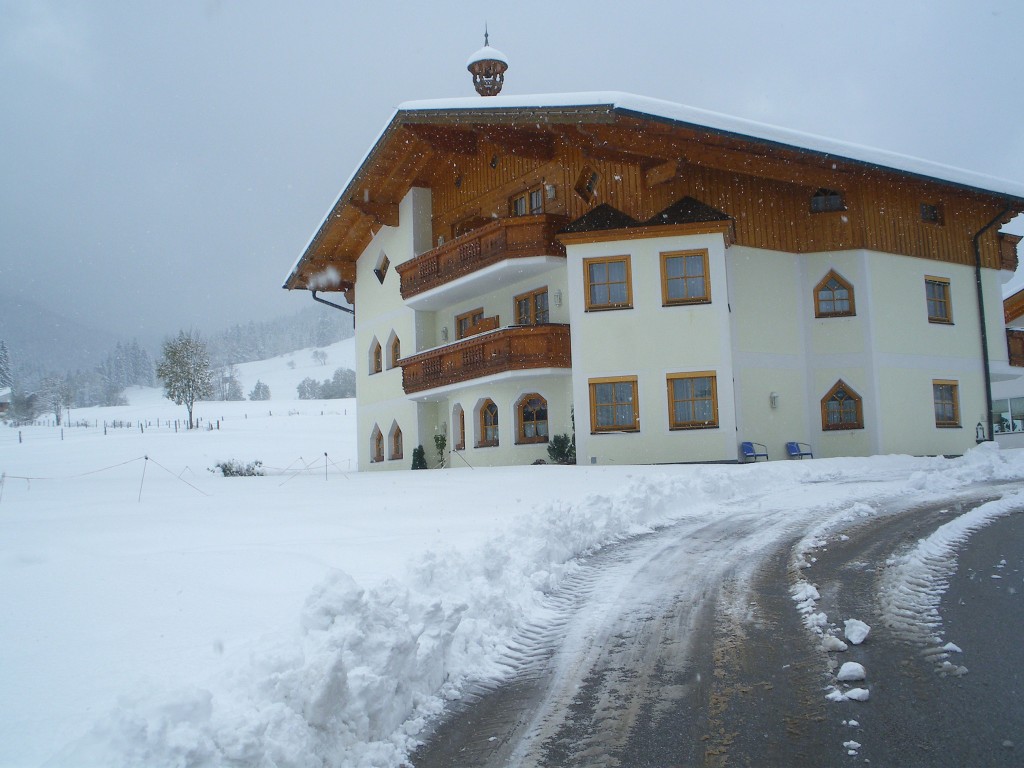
x: 981, y: 319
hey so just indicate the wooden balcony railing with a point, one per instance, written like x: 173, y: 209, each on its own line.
x: 1015, y: 346
x: 501, y: 239
x: 516, y: 348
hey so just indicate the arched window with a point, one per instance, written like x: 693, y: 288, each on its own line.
x: 532, y: 418
x: 376, y: 445
x: 459, y: 420
x: 833, y: 297
x: 842, y: 408
x: 396, y: 443
x: 488, y: 424
x: 395, y: 351
x: 376, y: 357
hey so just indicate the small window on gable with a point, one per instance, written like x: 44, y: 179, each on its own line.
x: 825, y: 200
x: 833, y: 297
x: 842, y: 408
x: 931, y: 213
x: 381, y: 270
x: 586, y: 184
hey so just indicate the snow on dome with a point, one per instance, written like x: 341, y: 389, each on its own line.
x: 487, y: 54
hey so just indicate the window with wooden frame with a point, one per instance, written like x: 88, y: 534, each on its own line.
x: 842, y: 408
x: 376, y: 358
x: 946, y: 396
x: 381, y: 270
x: 825, y: 200
x: 614, y: 406
x: 833, y: 297
x: 532, y: 418
x: 488, y: 425
x: 586, y: 183
x: 685, y: 278
x: 376, y: 445
x: 931, y: 213
x: 396, y: 443
x: 608, y: 283
x: 940, y: 308
x: 532, y: 308
x: 460, y: 428
x: 395, y: 351
x: 465, y: 321
x: 528, y: 202
x: 692, y: 400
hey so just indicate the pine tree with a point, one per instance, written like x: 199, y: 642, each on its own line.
x: 6, y: 379
x: 260, y: 392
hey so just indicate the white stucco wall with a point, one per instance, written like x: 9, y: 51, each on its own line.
x: 651, y: 341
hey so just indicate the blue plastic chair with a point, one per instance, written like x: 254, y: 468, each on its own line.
x: 751, y: 453
x: 799, y: 450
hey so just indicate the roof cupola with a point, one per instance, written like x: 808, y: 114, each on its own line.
x: 488, y: 67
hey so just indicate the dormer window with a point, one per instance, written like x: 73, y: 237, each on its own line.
x: 825, y: 200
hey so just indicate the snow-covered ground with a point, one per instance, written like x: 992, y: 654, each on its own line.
x: 156, y: 613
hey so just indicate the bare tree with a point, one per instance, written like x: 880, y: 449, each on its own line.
x: 54, y: 395
x: 185, y: 371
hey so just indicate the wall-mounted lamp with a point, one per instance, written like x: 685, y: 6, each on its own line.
x: 558, y: 297
x: 773, y: 399
x: 444, y: 333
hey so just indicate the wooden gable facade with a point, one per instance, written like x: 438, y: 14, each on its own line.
x: 480, y: 163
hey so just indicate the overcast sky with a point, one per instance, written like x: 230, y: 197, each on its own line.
x: 163, y: 164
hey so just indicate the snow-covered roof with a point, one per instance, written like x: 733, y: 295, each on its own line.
x: 737, y: 126
x: 679, y: 114
x: 487, y: 54
x: 5, y: 394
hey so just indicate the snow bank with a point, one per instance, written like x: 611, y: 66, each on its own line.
x: 301, y: 619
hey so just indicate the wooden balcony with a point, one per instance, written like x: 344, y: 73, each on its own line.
x: 516, y: 348
x: 1015, y: 347
x: 501, y: 239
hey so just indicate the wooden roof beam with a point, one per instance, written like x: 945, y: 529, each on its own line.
x: 778, y: 165
x: 536, y: 145
x: 661, y: 173
x: 382, y: 214
x: 446, y: 139
x: 598, y: 149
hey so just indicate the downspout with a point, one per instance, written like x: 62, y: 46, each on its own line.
x: 332, y: 304
x: 981, y: 318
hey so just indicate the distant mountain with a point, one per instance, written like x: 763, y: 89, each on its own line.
x: 44, y: 339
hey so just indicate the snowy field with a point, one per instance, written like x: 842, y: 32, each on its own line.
x: 156, y: 613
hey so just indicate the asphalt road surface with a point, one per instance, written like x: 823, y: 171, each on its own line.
x: 684, y: 648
